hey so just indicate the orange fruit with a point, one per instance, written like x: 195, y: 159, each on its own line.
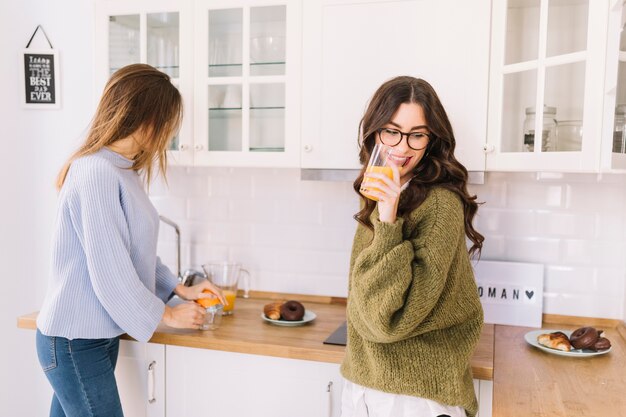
x: 207, y: 302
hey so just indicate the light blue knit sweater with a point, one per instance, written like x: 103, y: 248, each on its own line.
x: 106, y: 278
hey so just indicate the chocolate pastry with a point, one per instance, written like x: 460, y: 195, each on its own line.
x: 292, y: 311
x: 602, y: 344
x: 584, y: 338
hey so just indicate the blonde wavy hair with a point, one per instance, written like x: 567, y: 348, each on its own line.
x: 137, y: 98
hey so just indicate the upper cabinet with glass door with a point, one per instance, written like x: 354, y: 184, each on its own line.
x: 157, y: 33
x: 247, y: 83
x: 614, y: 125
x: 546, y: 84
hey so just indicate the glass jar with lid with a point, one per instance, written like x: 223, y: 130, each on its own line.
x: 619, y: 131
x: 548, y: 131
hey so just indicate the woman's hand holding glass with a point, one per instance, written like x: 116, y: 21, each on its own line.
x: 386, y: 190
x: 184, y: 316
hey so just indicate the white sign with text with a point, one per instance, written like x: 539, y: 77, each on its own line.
x: 510, y: 292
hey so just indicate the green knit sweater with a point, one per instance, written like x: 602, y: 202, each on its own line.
x: 414, y: 316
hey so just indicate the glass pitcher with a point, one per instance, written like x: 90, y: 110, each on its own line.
x: 226, y: 275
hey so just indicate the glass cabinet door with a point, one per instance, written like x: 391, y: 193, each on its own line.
x: 544, y: 65
x: 124, y: 41
x: 267, y: 40
x: 225, y: 42
x: 267, y: 117
x: 158, y: 33
x: 153, y: 38
x: 614, y: 121
x: 245, y: 77
x: 163, y: 51
x: 619, y: 133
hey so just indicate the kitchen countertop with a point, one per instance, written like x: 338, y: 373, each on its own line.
x: 246, y: 332
x: 530, y: 382
x: 526, y: 380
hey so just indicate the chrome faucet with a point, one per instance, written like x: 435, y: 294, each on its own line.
x: 190, y: 276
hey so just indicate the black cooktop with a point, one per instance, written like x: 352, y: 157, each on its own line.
x: 338, y: 337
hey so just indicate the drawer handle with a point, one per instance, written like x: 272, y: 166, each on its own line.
x: 329, y: 398
x: 151, y: 397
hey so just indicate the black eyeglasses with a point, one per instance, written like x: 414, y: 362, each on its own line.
x: 392, y: 137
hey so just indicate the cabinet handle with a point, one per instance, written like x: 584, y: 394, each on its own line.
x: 182, y: 147
x: 198, y: 147
x: 308, y: 148
x: 329, y: 390
x: 488, y: 148
x: 151, y: 397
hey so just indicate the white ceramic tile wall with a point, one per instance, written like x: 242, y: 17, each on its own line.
x: 295, y: 236
x: 574, y: 224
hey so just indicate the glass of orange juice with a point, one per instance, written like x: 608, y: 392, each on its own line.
x: 378, y: 163
x: 228, y: 276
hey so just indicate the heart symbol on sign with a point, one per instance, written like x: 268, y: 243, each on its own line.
x: 530, y: 294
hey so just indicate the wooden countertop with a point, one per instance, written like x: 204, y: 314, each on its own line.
x: 526, y: 380
x: 246, y: 332
x: 530, y: 382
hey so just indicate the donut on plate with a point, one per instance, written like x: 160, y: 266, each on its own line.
x: 584, y: 338
x: 292, y: 311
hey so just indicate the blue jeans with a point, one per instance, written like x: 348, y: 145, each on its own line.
x: 81, y: 372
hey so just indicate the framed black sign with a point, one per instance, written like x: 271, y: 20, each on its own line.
x: 41, y: 78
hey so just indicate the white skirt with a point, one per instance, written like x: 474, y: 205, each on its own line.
x: 359, y: 401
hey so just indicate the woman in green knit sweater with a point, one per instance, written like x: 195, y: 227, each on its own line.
x: 414, y: 316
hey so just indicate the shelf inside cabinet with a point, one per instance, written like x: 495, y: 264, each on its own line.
x: 252, y: 63
x: 267, y: 63
x: 166, y: 67
x: 239, y: 108
x: 267, y: 149
x: 223, y: 65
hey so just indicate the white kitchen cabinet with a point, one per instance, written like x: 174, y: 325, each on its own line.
x: 140, y: 375
x: 553, y: 55
x: 159, y: 33
x: 484, y: 395
x: 247, y: 83
x: 203, y: 382
x: 351, y: 47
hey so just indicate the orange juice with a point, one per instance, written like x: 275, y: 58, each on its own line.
x: 230, y: 296
x: 383, y: 170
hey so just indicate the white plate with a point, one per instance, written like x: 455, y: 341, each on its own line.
x: 308, y: 316
x: 531, y: 338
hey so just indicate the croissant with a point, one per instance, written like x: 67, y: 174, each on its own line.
x: 272, y: 310
x: 555, y: 340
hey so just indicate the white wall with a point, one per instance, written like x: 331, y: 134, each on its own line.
x: 574, y: 224
x: 34, y: 144
x: 295, y: 235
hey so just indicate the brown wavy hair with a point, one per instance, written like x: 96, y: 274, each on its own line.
x: 437, y: 168
x: 137, y: 97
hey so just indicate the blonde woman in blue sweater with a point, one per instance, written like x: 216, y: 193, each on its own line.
x: 414, y: 316
x: 106, y: 279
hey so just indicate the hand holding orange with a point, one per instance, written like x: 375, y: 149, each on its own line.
x: 208, y: 302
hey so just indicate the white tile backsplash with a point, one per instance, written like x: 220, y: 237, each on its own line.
x: 200, y: 209
x: 295, y: 236
x: 566, y: 224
